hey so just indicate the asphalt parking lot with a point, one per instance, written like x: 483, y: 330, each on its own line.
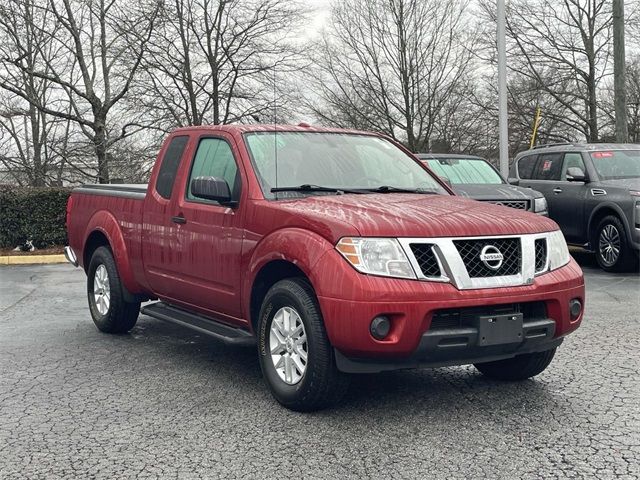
x: 163, y: 402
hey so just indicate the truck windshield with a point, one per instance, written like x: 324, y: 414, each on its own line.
x: 320, y: 162
x: 460, y: 171
x: 618, y: 164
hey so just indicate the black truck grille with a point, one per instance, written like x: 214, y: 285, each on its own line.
x: 463, y: 317
x: 470, y: 251
x: 519, y: 204
x: 426, y: 259
x: 541, y: 254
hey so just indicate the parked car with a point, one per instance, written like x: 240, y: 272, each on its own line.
x: 474, y: 177
x: 333, y: 251
x: 593, y: 193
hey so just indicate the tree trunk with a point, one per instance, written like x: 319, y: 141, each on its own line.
x: 593, y: 107
x: 100, y: 144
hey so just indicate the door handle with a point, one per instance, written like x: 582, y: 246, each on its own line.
x: 179, y: 219
x: 557, y: 190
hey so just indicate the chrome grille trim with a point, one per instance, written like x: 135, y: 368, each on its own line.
x: 453, y: 270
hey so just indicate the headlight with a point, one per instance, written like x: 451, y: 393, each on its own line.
x: 558, y: 250
x: 376, y: 256
x: 539, y: 205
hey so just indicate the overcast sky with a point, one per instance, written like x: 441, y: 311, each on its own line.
x: 319, y: 17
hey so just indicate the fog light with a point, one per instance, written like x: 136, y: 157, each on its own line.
x: 380, y: 327
x: 575, y: 308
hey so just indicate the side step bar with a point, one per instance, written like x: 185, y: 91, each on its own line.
x: 225, y: 333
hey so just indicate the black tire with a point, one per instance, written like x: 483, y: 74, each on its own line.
x: 517, y: 368
x: 321, y: 385
x: 121, y: 316
x: 626, y: 260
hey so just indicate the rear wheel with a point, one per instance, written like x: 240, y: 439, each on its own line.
x: 110, y: 311
x: 613, y: 252
x: 296, y: 357
x: 517, y: 368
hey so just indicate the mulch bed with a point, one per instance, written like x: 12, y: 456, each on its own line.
x: 44, y: 251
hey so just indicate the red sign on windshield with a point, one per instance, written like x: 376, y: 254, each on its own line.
x: 602, y: 154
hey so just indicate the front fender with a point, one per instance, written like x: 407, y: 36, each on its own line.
x: 298, y: 246
x: 107, y: 224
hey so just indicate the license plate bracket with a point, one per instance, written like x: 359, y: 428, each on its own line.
x: 499, y: 329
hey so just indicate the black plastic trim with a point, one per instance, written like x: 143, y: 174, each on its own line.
x: 457, y: 346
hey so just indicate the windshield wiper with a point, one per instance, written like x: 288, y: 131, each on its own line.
x: 313, y: 188
x: 390, y: 189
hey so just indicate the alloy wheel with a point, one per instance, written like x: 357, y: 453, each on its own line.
x: 288, y: 345
x: 101, y: 289
x: 609, y: 244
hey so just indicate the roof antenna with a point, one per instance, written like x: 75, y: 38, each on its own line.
x: 275, y: 125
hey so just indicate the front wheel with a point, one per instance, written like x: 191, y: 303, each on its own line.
x: 296, y: 357
x: 613, y: 252
x: 109, y: 309
x: 518, y: 368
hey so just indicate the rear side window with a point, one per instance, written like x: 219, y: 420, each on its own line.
x: 525, y: 166
x: 213, y: 159
x: 169, y: 167
x: 549, y: 167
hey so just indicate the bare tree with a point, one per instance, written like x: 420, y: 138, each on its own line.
x: 563, y: 48
x: 91, y: 51
x: 24, y: 129
x: 214, y: 61
x: 633, y: 99
x: 392, y: 65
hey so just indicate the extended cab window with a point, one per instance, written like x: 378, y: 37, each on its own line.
x: 526, y: 166
x: 213, y: 159
x: 549, y: 167
x: 169, y: 166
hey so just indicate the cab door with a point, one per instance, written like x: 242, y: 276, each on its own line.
x: 210, y: 234
x: 161, y: 250
x: 545, y: 175
x: 569, y: 201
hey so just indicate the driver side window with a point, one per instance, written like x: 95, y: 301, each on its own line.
x: 572, y: 159
x: 214, y: 158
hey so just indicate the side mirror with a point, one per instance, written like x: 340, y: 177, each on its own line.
x: 513, y: 181
x: 576, y: 174
x: 211, y: 188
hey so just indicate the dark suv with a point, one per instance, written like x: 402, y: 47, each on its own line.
x: 593, y: 193
x: 474, y: 177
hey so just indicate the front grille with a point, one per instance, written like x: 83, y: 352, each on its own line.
x: 541, y: 254
x: 519, y: 204
x: 426, y: 259
x: 464, y: 317
x: 470, y: 251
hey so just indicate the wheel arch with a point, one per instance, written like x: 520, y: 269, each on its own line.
x: 285, y: 253
x: 270, y: 274
x: 601, y: 211
x: 103, y: 230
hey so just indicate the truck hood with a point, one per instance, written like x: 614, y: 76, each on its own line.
x: 413, y: 215
x: 495, y: 192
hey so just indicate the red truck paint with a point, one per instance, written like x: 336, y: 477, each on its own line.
x: 209, y: 265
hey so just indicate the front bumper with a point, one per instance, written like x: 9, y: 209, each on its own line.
x: 351, y: 300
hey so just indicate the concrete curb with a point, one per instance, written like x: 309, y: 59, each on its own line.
x: 31, y: 259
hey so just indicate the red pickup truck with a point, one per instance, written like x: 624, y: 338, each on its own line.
x: 333, y: 251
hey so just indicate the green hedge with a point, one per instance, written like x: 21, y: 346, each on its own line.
x: 36, y: 214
